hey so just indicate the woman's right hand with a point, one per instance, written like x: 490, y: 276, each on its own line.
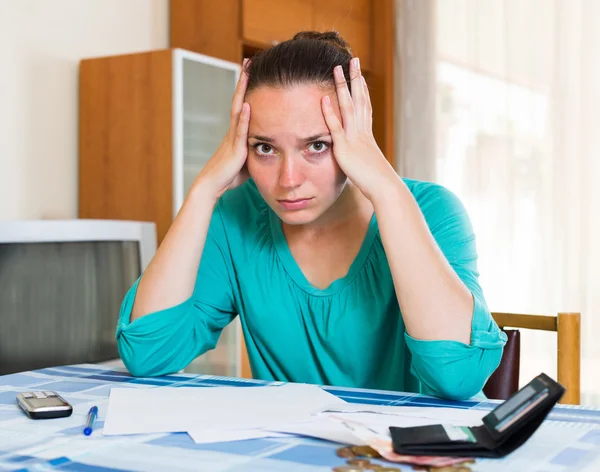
x: 226, y: 169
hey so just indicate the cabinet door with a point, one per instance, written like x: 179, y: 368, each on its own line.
x: 352, y: 19
x: 204, y: 88
x: 267, y: 22
x: 203, y: 91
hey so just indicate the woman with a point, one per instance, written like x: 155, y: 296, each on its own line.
x: 342, y: 272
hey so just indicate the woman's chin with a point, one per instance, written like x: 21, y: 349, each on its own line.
x: 301, y: 217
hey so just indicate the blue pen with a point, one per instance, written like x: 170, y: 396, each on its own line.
x: 89, y: 425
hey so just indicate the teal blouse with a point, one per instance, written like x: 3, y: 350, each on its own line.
x: 349, y: 334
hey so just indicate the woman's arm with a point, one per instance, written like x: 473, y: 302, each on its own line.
x: 179, y: 306
x: 454, y: 342
x: 167, y: 340
x: 436, y: 310
x: 171, y: 275
x: 435, y: 303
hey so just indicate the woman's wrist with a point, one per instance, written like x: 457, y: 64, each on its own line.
x: 389, y: 192
x: 203, y: 193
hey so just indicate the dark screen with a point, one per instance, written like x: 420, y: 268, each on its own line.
x: 59, y: 302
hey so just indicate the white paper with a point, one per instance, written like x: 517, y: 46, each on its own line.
x: 183, y: 409
x: 323, y: 428
x: 330, y: 423
x: 454, y: 416
x: 213, y: 436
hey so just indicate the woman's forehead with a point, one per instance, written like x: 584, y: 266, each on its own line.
x: 290, y: 108
x: 286, y: 97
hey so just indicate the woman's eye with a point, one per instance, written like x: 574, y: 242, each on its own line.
x: 318, y: 147
x: 263, y: 149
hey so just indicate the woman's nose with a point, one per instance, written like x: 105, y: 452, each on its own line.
x: 290, y: 174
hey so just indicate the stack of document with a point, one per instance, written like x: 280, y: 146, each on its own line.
x: 214, y: 414
x: 219, y: 414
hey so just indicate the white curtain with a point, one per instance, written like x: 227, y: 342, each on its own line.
x: 499, y: 100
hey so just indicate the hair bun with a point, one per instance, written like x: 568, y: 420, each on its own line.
x: 331, y: 37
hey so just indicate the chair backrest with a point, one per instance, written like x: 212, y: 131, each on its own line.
x: 504, y: 381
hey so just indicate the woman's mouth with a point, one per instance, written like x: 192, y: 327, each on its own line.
x: 296, y: 204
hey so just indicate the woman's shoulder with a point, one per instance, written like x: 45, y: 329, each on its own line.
x: 243, y: 212
x: 242, y: 199
x: 433, y: 197
x: 441, y: 207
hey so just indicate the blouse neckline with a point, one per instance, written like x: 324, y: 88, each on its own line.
x: 294, y: 271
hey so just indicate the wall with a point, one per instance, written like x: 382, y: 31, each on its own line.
x: 41, y: 43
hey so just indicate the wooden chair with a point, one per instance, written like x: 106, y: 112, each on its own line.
x: 505, y: 379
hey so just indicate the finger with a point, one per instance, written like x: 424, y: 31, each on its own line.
x: 241, y: 135
x: 344, y: 99
x: 333, y: 123
x: 238, y: 95
x: 368, y: 107
x: 358, y: 91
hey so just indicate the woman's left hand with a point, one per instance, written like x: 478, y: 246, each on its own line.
x: 354, y: 146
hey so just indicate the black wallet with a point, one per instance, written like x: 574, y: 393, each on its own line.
x: 504, y: 429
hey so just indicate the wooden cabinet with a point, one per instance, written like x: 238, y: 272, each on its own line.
x: 148, y: 122
x: 267, y: 22
x: 125, y: 136
x: 210, y: 27
x: 352, y: 19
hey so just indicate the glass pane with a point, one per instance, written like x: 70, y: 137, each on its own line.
x: 59, y: 302
x: 207, y: 94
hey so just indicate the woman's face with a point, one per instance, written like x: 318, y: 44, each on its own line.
x: 290, y: 153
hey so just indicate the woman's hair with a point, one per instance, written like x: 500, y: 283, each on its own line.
x: 308, y: 58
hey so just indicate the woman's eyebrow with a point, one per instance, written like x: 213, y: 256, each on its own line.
x: 315, y: 137
x: 310, y: 139
x: 266, y: 139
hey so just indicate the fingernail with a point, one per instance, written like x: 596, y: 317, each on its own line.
x: 244, y: 61
x: 338, y: 70
x: 327, y: 100
x: 357, y: 63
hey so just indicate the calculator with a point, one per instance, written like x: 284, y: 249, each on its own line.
x: 44, y: 405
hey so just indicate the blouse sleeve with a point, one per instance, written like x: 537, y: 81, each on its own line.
x: 452, y: 369
x: 168, y: 340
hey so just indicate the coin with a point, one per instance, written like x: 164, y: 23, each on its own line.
x: 359, y: 462
x: 365, y: 451
x: 345, y: 452
x: 348, y: 468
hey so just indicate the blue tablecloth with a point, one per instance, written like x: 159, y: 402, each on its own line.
x: 569, y: 439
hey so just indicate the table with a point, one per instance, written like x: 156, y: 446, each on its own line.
x: 569, y: 439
